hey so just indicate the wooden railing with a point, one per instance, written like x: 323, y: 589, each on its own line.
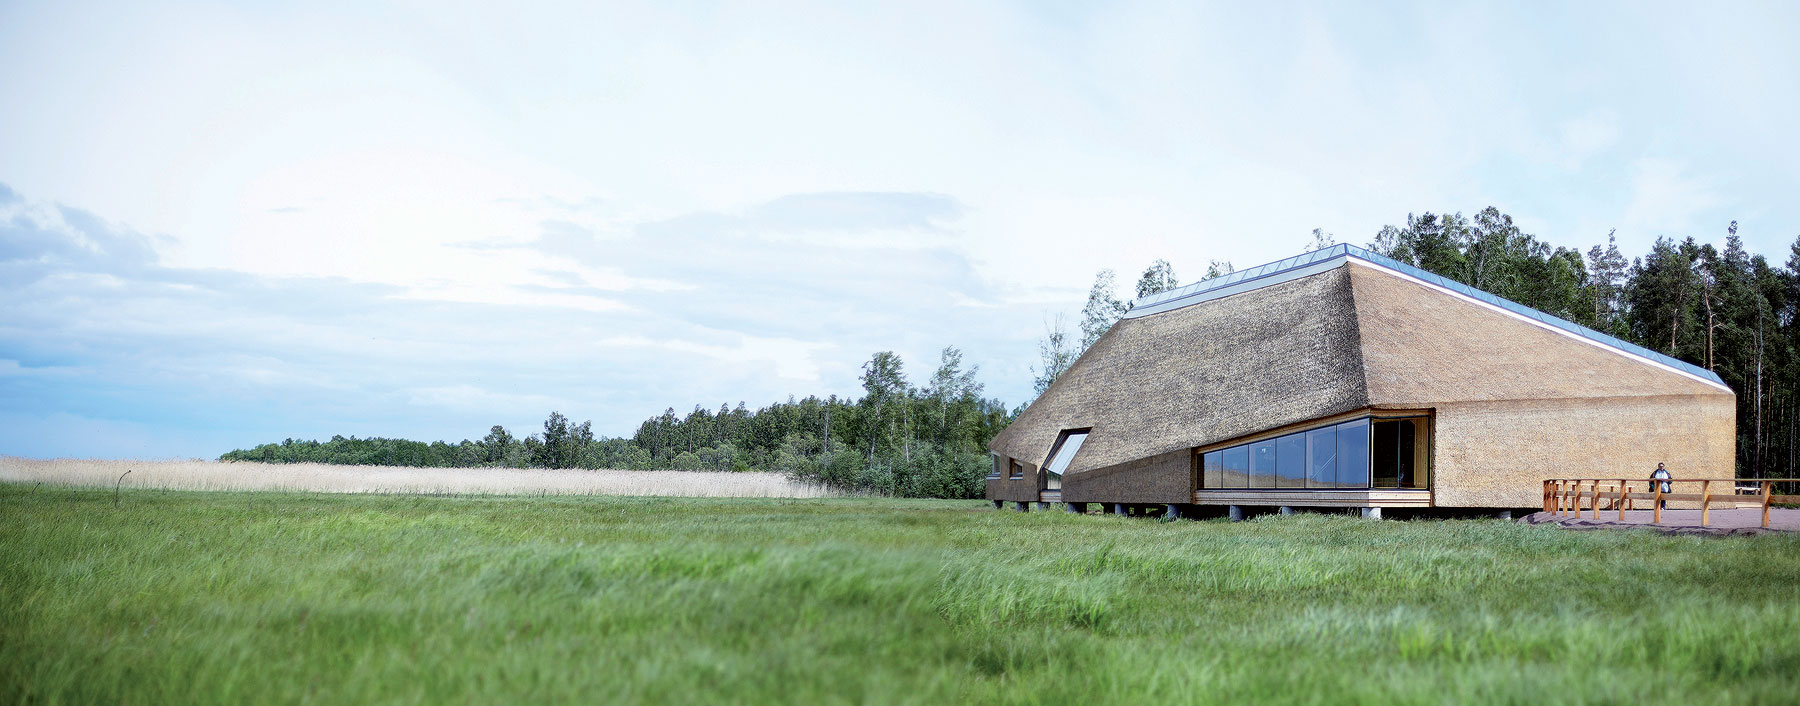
x: 1565, y: 496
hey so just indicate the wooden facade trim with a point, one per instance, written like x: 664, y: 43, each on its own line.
x: 1316, y: 498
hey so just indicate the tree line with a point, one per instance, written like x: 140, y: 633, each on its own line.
x: 1720, y: 307
x: 925, y: 440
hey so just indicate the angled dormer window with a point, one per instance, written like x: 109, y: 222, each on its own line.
x: 1067, y: 445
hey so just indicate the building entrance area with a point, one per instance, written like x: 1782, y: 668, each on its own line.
x: 1400, y: 453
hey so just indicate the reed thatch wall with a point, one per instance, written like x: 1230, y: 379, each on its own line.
x: 1499, y: 453
x: 1163, y: 478
x: 1008, y: 488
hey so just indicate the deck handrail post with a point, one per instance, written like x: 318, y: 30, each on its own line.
x: 1621, y: 501
x: 1767, y: 488
x: 1544, y: 496
x: 1656, y: 504
x: 1705, y: 501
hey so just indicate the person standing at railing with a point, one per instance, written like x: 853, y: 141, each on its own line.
x: 1661, y: 474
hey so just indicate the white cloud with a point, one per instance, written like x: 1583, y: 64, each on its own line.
x: 12, y: 368
x: 470, y: 398
x: 1588, y: 135
x: 1667, y: 198
x: 790, y: 359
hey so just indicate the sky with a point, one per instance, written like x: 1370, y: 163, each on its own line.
x: 229, y: 224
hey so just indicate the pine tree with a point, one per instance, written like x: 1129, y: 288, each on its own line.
x: 1427, y: 242
x: 1659, y: 294
x: 1606, y: 271
x: 1491, y: 250
x: 1159, y: 277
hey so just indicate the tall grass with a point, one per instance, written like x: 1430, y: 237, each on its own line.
x: 200, y: 598
x: 320, y: 477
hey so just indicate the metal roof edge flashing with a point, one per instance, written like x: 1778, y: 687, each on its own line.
x: 1317, y: 261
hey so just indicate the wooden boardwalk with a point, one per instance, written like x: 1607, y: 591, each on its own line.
x: 1572, y: 497
x: 1738, y: 521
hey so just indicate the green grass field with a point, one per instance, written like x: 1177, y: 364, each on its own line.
x: 194, y: 598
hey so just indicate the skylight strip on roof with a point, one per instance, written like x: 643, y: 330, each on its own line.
x: 1328, y: 258
x: 1226, y: 289
x: 1240, y: 276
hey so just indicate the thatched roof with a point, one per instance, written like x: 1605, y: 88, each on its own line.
x: 1273, y: 356
x: 1422, y: 347
x: 1329, y: 333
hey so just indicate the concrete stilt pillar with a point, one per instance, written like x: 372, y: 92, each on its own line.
x: 1043, y: 505
x: 1372, y: 513
x: 1024, y: 506
x: 1171, y: 511
x: 1286, y: 510
x: 999, y: 504
x: 1236, y: 512
x: 1077, y: 508
x: 1118, y: 508
x: 1504, y: 515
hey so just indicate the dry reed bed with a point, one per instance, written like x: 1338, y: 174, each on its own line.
x: 328, y: 478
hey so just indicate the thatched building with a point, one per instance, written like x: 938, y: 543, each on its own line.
x: 1342, y: 378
